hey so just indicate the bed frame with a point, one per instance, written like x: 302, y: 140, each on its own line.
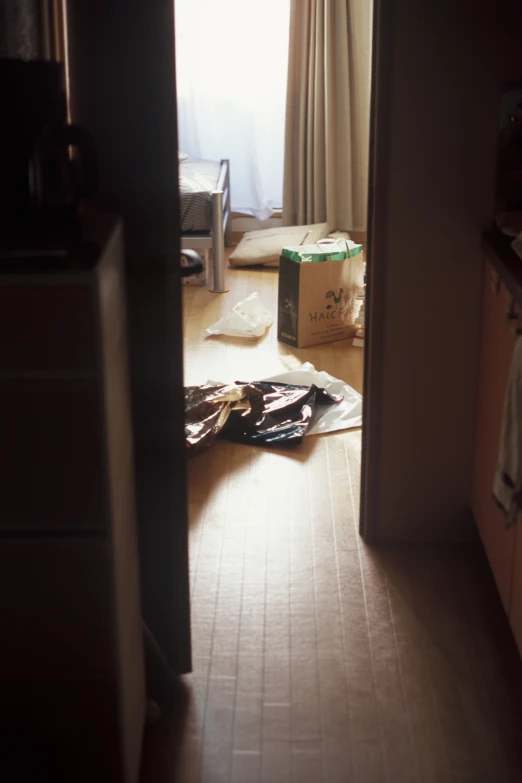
x: 220, y: 235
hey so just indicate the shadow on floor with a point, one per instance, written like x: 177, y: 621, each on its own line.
x: 163, y: 739
x: 452, y: 638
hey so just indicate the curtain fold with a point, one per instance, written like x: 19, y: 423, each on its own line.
x: 328, y: 113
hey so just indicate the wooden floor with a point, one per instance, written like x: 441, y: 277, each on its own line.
x: 315, y: 658
x: 231, y: 359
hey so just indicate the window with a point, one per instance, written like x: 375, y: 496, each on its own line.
x: 231, y: 62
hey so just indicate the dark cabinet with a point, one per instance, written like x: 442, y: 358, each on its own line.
x: 72, y: 680
x: 503, y: 549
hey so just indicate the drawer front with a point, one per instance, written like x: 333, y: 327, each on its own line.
x: 51, y: 456
x: 56, y: 605
x: 47, y: 328
x: 59, y: 685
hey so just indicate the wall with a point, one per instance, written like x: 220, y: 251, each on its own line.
x: 440, y: 68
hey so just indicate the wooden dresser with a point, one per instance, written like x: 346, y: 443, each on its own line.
x: 72, y: 683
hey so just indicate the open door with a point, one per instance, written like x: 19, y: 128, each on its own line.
x: 122, y: 89
x: 375, y: 272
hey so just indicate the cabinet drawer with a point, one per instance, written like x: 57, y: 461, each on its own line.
x: 47, y: 328
x: 56, y: 605
x: 51, y: 456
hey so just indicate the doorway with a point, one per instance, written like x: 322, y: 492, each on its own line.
x: 276, y: 590
x: 390, y: 670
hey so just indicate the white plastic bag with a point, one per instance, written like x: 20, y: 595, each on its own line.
x: 326, y: 418
x: 248, y: 319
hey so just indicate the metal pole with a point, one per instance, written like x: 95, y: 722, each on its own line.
x: 218, y: 283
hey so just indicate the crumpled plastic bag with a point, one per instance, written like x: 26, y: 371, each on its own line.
x: 259, y: 413
x: 207, y: 409
x: 282, y: 419
x: 249, y: 318
x: 344, y: 416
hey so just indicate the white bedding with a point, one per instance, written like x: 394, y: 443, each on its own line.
x: 197, y: 180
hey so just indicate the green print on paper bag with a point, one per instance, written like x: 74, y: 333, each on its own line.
x: 332, y: 313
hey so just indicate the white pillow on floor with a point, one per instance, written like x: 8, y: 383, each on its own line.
x: 264, y: 247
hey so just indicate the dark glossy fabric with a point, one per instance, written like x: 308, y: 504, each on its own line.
x: 260, y: 413
x: 207, y: 409
x: 281, y: 418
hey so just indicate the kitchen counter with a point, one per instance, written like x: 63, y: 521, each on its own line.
x: 497, y: 249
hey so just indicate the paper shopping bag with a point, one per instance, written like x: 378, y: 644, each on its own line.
x: 317, y: 302
x: 328, y: 249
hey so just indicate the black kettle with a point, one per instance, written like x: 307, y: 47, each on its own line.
x: 47, y: 166
x: 61, y: 169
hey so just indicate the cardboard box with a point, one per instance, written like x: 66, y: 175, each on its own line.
x: 317, y: 302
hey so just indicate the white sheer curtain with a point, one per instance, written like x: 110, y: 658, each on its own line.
x: 231, y: 63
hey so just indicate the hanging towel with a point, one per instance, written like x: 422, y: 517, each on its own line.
x: 507, y: 485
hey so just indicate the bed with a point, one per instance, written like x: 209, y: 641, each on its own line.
x: 206, y: 219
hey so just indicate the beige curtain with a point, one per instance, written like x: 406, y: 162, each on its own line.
x: 328, y: 113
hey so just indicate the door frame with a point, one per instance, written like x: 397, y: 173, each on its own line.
x: 380, y: 132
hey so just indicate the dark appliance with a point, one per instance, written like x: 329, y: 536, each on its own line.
x: 47, y: 166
